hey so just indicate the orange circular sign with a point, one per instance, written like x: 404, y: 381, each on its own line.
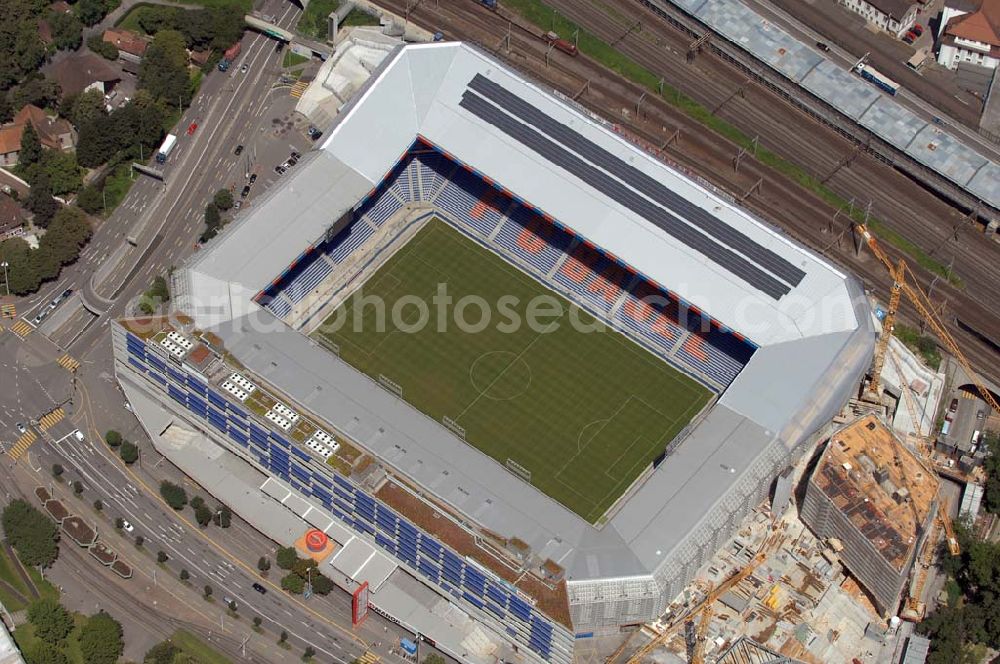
x: 316, y: 540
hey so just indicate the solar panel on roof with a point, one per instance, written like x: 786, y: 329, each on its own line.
x: 638, y: 179
x: 615, y: 190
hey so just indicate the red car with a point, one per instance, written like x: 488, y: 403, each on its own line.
x: 917, y: 29
x: 193, y: 127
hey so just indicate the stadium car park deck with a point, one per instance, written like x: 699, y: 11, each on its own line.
x: 736, y: 305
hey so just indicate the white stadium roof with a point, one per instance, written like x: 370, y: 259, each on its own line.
x: 419, y: 92
x: 811, y: 320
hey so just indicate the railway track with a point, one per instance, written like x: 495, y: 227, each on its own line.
x: 783, y: 202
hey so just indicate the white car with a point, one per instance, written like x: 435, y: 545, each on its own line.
x: 127, y: 527
x: 78, y: 435
x: 21, y: 428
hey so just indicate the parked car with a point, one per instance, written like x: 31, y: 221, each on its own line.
x: 909, y: 37
x: 917, y: 29
x: 823, y: 47
x: 296, y: 155
x: 245, y: 192
x: 238, y: 151
x: 291, y: 162
x: 253, y: 178
x: 237, y: 204
x: 280, y: 169
x: 127, y: 527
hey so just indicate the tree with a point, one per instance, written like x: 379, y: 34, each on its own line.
x: 98, y: 505
x: 139, y: 540
x: 90, y: 12
x: 223, y: 199
x: 129, y: 453
x: 161, y: 556
x: 286, y: 557
x: 991, y: 490
x: 232, y: 605
x: 223, y: 517
x: 162, y: 653
x: 174, y: 495
x: 321, y: 584
x: 43, y: 653
x: 67, y: 31
x: 293, y: 583
x: 96, y: 43
x: 302, y: 566
x: 163, y: 70
x: 283, y: 637
x: 91, y: 199
x: 119, y: 523
x: 52, y: 622
x: 155, y: 19
x: 113, y: 438
x: 31, y: 147
x: 263, y: 564
x: 101, y: 639
x: 40, y: 200
x: 159, y: 290
x: 35, y: 89
x: 31, y: 533
x: 207, y: 591
x: 185, y: 575
x: 203, y: 515
x: 57, y: 470
x: 257, y: 622
x: 60, y: 167
x: 196, y: 502
x: 309, y: 653
x: 434, y: 658
x: 78, y: 487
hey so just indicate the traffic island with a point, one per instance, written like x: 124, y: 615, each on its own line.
x: 56, y: 510
x: 103, y: 553
x: 78, y: 530
x: 43, y: 494
x: 122, y: 569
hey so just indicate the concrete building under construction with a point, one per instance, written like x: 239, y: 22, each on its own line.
x: 874, y: 495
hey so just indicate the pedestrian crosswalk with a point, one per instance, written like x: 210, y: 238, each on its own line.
x: 50, y: 419
x: 368, y: 658
x: 21, y: 328
x: 299, y: 89
x: 22, y: 444
x: 968, y: 395
x: 8, y: 311
x: 68, y: 363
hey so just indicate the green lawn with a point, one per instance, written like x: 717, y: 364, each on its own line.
x: 196, y: 649
x: 313, y: 21
x: 26, y: 640
x: 8, y: 574
x: 584, y: 412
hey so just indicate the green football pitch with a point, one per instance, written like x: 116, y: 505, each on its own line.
x: 583, y: 411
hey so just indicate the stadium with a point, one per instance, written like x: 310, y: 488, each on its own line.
x: 628, y: 361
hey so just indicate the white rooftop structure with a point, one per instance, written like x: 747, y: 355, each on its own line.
x: 809, y: 319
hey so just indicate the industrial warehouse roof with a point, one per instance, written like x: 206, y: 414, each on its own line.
x: 665, y: 224
x: 811, y: 320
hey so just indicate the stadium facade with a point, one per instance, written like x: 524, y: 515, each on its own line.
x: 444, y: 130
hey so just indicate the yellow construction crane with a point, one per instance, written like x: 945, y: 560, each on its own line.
x: 916, y: 296
x: 703, y: 608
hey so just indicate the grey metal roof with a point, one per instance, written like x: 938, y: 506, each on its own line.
x: 963, y: 164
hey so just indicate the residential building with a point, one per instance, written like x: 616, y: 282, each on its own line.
x: 970, y: 33
x: 12, y: 216
x: 131, y: 45
x: 78, y: 72
x: 893, y: 16
x: 53, y: 132
x: 871, y: 493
